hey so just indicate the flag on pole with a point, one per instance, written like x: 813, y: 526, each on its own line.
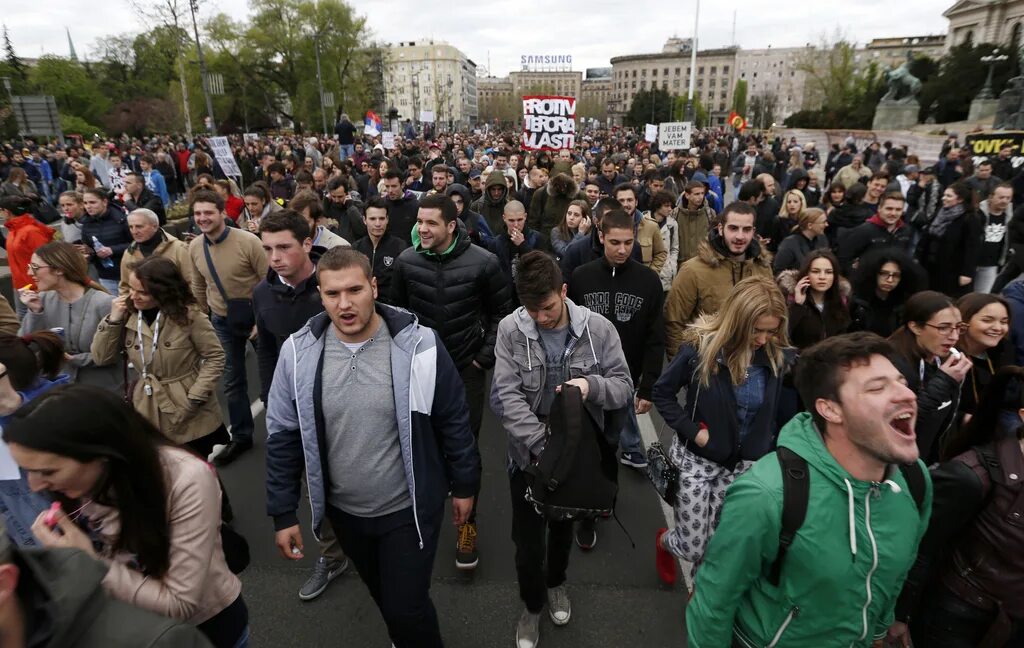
x: 372, y: 125
x: 737, y: 121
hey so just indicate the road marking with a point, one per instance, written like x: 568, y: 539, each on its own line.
x: 649, y: 436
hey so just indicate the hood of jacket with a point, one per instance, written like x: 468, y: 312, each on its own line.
x: 563, y: 186
x: 61, y: 591
x: 713, y: 252
x: 463, y: 191
x: 25, y: 221
x: 495, y: 179
x: 877, y: 221
x: 795, y: 176
x: 579, y: 318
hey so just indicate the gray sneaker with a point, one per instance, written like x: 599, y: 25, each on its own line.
x: 528, y: 630
x: 323, y: 574
x: 558, y: 605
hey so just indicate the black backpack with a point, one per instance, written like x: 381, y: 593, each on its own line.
x: 576, y: 476
x: 796, y: 490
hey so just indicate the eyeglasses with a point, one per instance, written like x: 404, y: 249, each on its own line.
x: 947, y: 329
x: 34, y: 267
x: 889, y: 275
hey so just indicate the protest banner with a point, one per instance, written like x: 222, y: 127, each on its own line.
x: 650, y: 132
x: 549, y: 123
x: 387, y: 140
x: 674, y: 135
x: 986, y: 145
x: 226, y: 159
x: 427, y: 116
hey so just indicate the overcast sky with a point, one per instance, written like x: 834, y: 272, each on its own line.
x: 591, y: 31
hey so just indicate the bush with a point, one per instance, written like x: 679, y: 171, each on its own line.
x: 72, y: 124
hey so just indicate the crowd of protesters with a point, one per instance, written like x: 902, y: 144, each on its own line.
x: 834, y: 340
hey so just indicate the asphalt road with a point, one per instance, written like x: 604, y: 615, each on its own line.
x: 616, y: 596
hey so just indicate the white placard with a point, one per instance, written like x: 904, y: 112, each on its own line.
x: 674, y: 135
x: 427, y: 116
x: 651, y: 132
x: 387, y: 140
x: 226, y: 159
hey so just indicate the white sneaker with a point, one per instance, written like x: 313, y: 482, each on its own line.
x: 558, y: 605
x: 528, y: 630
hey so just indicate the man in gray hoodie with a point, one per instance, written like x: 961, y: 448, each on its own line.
x: 547, y: 342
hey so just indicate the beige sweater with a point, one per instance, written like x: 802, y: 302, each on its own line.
x: 198, y: 584
x: 240, y: 262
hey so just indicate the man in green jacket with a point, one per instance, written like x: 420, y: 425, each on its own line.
x: 847, y: 562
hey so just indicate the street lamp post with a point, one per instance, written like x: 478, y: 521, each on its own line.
x: 192, y: 5
x: 319, y: 81
x: 691, y: 109
x: 990, y: 60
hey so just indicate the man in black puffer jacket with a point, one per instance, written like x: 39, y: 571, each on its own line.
x: 458, y: 289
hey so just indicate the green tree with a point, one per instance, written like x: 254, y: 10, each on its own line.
x: 17, y: 66
x: 650, y: 107
x: 74, y: 91
x: 700, y: 113
x: 961, y: 77
x: 739, y: 97
x: 276, y: 54
x: 763, y: 109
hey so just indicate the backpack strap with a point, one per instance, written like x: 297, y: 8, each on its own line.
x: 796, y: 490
x: 915, y: 481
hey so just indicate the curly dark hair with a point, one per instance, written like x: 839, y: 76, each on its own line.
x: 865, y: 279
x: 167, y: 286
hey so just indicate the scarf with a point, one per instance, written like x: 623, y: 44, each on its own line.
x: 945, y: 217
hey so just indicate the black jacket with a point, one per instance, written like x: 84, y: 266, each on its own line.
x: 402, y: 216
x: 280, y: 311
x: 382, y: 261
x: 111, y: 229
x: 938, y: 399
x: 794, y: 248
x: 580, y: 251
x: 875, y: 315
x: 844, y: 218
x: 147, y: 200
x: 716, y: 408
x: 946, y: 258
x: 632, y: 299
x: 508, y: 254
x: 349, y: 219
x: 461, y: 294
x: 871, y: 235
x: 808, y: 325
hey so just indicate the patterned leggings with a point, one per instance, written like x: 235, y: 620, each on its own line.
x: 702, y: 486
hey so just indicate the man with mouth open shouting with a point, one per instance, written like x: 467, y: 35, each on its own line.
x: 851, y: 466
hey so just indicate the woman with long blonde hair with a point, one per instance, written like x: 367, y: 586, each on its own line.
x: 731, y: 365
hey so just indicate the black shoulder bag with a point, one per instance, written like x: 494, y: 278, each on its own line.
x: 241, y: 317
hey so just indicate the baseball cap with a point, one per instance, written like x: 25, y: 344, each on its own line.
x: 928, y: 170
x: 475, y: 173
x: 911, y: 168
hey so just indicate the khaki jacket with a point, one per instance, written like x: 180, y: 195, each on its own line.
x: 188, y: 363
x: 702, y: 285
x: 652, y: 245
x: 171, y: 248
x: 693, y: 229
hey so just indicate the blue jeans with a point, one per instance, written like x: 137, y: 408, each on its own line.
x: 20, y: 507
x: 629, y: 440
x: 346, y: 151
x: 236, y: 384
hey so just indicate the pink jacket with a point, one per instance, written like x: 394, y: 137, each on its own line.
x: 198, y: 584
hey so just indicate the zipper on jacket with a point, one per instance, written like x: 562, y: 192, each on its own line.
x: 412, y: 451
x: 793, y: 613
x: 874, y: 491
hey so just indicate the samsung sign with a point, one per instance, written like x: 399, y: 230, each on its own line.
x: 545, y: 61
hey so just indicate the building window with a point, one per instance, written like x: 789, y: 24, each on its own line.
x: 700, y: 70
x: 654, y: 72
x: 714, y: 69
x: 725, y: 69
x: 666, y: 72
x: 711, y: 83
x: 634, y: 74
x: 724, y: 94
x: 700, y: 83
x: 677, y: 70
x: 675, y: 83
x: 634, y: 84
x: 643, y: 73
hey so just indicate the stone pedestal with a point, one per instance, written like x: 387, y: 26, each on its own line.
x: 890, y: 115
x: 983, y: 110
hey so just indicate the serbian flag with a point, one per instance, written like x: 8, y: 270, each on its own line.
x: 736, y: 121
x: 372, y: 125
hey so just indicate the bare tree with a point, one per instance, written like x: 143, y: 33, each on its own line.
x: 171, y: 13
